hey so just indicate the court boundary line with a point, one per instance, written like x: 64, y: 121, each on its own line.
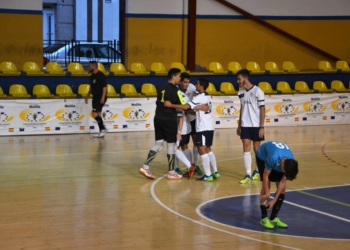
x: 206, y: 225
x: 199, y: 213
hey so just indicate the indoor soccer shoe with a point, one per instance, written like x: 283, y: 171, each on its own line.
x: 266, y: 223
x: 255, y: 175
x: 174, y: 176
x: 278, y: 223
x: 147, y: 173
x: 198, y: 170
x: 191, y: 170
x: 205, y: 178
x: 178, y: 171
x: 245, y: 180
x: 216, y: 175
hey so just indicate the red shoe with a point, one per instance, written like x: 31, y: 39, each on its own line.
x: 191, y: 170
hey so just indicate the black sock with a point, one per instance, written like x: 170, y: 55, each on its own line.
x: 100, y: 123
x: 151, y: 155
x: 263, y: 211
x: 277, y: 207
x: 171, y: 161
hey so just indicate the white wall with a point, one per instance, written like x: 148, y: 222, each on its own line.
x: 256, y: 7
x: 21, y: 4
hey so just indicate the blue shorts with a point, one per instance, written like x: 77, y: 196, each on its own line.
x: 251, y: 133
x: 204, y: 138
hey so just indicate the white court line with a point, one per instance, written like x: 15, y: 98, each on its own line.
x: 205, y: 225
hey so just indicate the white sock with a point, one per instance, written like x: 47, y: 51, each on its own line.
x: 247, y: 159
x: 188, y: 154
x: 172, y: 172
x: 181, y: 156
x: 206, y: 164
x: 213, y: 161
x: 145, y: 166
x: 195, y: 155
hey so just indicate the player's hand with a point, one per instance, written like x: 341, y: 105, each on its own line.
x: 178, y: 137
x: 264, y: 197
x: 261, y: 132
x: 86, y: 100
x: 238, y: 130
x: 270, y: 205
x: 102, y: 101
x: 168, y: 104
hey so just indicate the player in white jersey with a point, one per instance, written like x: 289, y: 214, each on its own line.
x: 204, y: 129
x: 251, y: 121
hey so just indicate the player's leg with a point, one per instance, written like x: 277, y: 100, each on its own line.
x: 212, y: 157
x: 180, y: 154
x: 256, y: 174
x: 276, y: 208
x: 246, y: 138
x: 96, y: 114
x: 195, y: 149
x: 185, y: 149
x: 201, y: 138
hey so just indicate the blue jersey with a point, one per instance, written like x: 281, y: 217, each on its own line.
x: 272, y: 153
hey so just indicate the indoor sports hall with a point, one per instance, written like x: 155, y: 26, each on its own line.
x: 61, y: 188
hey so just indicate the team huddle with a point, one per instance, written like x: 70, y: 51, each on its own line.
x: 183, y: 111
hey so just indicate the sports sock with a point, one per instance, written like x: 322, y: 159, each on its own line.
x: 188, y: 154
x: 247, y: 159
x: 206, y: 164
x: 171, y: 158
x: 181, y: 157
x: 195, y: 155
x: 263, y: 211
x: 150, y: 157
x: 100, y: 123
x: 212, y: 159
x: 277, y: 207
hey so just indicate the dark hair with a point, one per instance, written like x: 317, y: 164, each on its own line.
x: 290, y: 169
x: 203, y: 82
x: 94, y: 63
x: 244, y: 73
x: 185, y: 76
x: 173, y: 72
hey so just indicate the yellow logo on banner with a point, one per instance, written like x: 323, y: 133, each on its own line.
x: 227, y: 110
x: 4, y: 118
x: 284, y: 108
x: 341, y: 106
x: 66, y: 115
x: 135, y: 113
x: 314, y: 107
x: 29, y: 115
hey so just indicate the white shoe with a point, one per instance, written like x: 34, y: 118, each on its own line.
x: 147, y: 173
x: 101, y: 134
x: 174, y: 176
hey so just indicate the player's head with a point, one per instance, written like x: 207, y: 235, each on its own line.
x: 185, y: 81
x: 174, y: 75
x: 202, y: 84
x: 93, y: 66
x: 290, y: 169
x: 242, y: 77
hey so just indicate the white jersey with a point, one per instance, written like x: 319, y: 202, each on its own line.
x: 251, y: 101
x: 204, y: 121
x: 186, y: 126
x: 190, y: 92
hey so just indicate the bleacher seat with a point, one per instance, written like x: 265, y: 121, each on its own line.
x: 9, y: 68
x: 217, y: 68
x: 272, y: 67
x: 42, y: 91
x: 118, y: 69
x: 129, y: 90
x: 211, y: 90
x: 32, y: 68
x: 101, y: 68
x: 111, y: 91
x: 254, y: 68
x: 266, y: 88
x: 284, y: 87
x: 139, y: 69
x: 18, y: 91
x: 227, y: 88
x: 158, y: 68
x: 343, y: 66
x: 234, y: 67
x: 2, y: 94
x: 326, y: 66
x: 289, y: 67
x: 84, y: 89
x: 54, y: 68
x: 339, y: 87
x: 180, y: 66
x: 302, y: 87
x: 321, y: 87
x: 65, y: 91
x: 76, y: 68
x: 148, y: 89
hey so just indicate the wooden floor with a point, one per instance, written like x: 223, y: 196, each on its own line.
x: 77, y: 192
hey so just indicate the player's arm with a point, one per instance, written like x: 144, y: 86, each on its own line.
x: 104, y: 89
x: 88, y: 95
x: 266, y: 185
x: 280, y: 189
x: 239, y: 122
x: 261, y: 102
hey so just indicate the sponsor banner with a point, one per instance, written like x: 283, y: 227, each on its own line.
x: 57, y: 116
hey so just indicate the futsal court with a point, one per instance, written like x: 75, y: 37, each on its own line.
x: 79, y: 192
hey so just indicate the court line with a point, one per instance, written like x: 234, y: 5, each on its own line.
x: 205, y: 225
